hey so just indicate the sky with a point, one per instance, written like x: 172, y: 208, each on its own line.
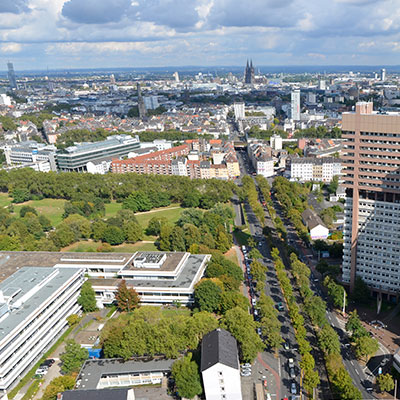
x: 67, y: 34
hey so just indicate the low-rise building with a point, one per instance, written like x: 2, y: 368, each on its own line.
x: 220, y: 366
x: 96, y: 394
x: 316, y: 227
x: 105, y: 374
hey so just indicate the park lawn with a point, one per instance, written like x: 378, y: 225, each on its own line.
x: 91, y: 246
x: 112, y: 209
x: 173, y: 311
x: 171, y: 213
x: 232, y: 256
x: 53, y: 209
x: 5, y: 200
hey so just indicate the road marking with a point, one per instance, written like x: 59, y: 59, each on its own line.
x: 279, y: 366
x: 329, y: 317
x: 352, y: 363
x: 357, y: 372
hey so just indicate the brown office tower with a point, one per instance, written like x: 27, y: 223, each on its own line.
x: 372, y: 208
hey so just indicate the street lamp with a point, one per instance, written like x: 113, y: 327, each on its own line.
x: 127, y: 302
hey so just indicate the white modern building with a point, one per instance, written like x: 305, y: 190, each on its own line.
x: 220, y: 366
x: 276, y: 142
x: 295, y: 105
x: 304, y: 169
x: 239, y: 111
x: 34, y: 305
x: 30, y: 153
x: 151, y: 102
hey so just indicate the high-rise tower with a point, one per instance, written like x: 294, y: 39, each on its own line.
x: 11, y: 76
x: 249, y: 73
x: 372, y: 209
x: 295, y: 105
x: 141, y: 105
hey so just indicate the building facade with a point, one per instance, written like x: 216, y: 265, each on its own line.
x: 295, y: 105
x: 372, y: 208
x: 323, y: 169
x: 75, y: 158
x: 249, y: 73
x: 34, y: 305
x: 220, y: 366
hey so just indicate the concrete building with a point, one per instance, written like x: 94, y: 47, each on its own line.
x: 239, y: 111
x: 276, y: 142
x: 220, y: 366
x: 261, y: 158
x: 315, y: 225
x: 105, y: 374
x: 150, y: 102
x: 34, y: 305
x: 383, y: 74
x: 295, y: 105
x: 30, y: 153
x: 323, y: 169
x: 372, y: 208
x: 11, y: 76
x: 75, y: 158
x: 96, y: 394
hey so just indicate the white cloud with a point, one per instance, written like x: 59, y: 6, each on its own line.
x: 11, y: 47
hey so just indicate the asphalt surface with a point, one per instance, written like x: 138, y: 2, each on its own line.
x: 268, y: 358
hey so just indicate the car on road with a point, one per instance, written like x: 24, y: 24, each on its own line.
x: 292, y: 373
x: 42, y: 371
x: 286, y: 345
x: 47, y: 363
x: 245, y: 373
x: 280, y: 306
x: 246, y: 365
x: 259, y: 332
x: 293, y: 388
x: 253, y: 301
x: 291, y: 363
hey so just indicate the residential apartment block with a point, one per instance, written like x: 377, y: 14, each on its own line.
x: 261, y: 158
x: 305, y: 169
x: 34, y: 305
x: 372, y: 208
x: 195, y: 159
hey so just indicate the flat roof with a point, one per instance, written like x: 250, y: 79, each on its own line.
x: 170, y: 263
x: 93, y: 370
x: 24, y: 281
x: 183, y: 281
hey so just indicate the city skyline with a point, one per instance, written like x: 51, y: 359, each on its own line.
x: 129, y: 33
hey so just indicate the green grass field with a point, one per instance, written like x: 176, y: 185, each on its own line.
x: 5, y: 200
x: 112, y: 209
x: 53, y: 209
x: 90, y: 246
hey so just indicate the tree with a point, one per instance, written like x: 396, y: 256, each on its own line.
x: 191, y: 199
x: 73, y: 319
x: 385, y: 382
x: 27, y: 209
x: 154, y: 225
x: 361, y: 292
x: 73, y: 357
x: 333, y: 186
x: 58, y: 385
x: 87, y: 298
x: 133, y: 232
x: 365, y: 346
x: 127, y: 298
x: 177, y: 239
x: 242, y: 326
x: 231, y: 299
x: 137, y: 201
x: 354, y: 325
x: 187, y: 378
x: 328, y: 340
x: 114, y: 235
x: 164, y: 242
x: 207, y: 295
x: 45, y: 222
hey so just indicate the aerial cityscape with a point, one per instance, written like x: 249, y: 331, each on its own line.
x: 199, y: 200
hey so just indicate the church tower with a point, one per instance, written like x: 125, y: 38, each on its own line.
x: 249, y: 73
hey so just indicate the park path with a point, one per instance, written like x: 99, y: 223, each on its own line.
x: 157, y: 210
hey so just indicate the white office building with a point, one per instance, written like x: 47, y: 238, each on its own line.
x: 276, y: 142
x: 295, y: 105
x: 239, y: 111
x: 34, y: 305
x: 151, y: 102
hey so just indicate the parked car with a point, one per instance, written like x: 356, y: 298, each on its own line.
x: 291, y: 373
x: 280, y: 306
x: 246, y: 365
x: 48, y: 363
x: 291, y: 363
x: 42, y: 371
x: 259, y: 332
x: 286, y: 346
x: 293, y: 388
x: 245, y: 373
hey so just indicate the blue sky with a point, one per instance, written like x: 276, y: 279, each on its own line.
x: 36, y: 34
